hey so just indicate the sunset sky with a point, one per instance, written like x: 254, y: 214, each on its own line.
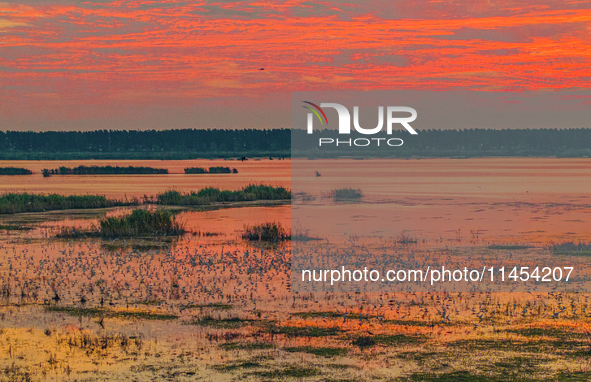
x: 83, y: 65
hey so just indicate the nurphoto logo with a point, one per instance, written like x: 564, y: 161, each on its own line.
x: 393, y: 117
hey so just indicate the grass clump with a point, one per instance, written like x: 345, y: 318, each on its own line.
x: 290, y: 371
x: 223, y: 323
x: 227, y: 368
x: 212, y: 170
x: 140, y: 223
x: 247, y: 346
x: 345, y: 194
x: 555, y: 332
x: 222, y: 170
x: 268, y: 232
x: 14, y: 171
x: 12, y: 203
x: 104, y: 170
x: 509, y: 247
x: 386, y: 340
x: 210, y: 195
x: 310, y: 331
x: 571, y: 249
x: 326, y: 352
x: 195, y: 170
x: 14, y: 227
x: 456, y: 376
x: 101, y: 312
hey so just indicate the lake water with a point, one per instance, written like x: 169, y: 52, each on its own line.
x: 538, y: 200
x: 447, y: 205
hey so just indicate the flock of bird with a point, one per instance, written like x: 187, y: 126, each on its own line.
x: 256, y: 280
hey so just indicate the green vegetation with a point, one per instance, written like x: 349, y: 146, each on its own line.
x: 557, y: 332
x: 456, y: 376
x: 386, y: 340
x: 12, y: 203
x: 200, y: 143
x: 509, y: 247
x: 212, y: 170
x: 571, y: 249
x: 210, y: 195
x: 226, y: 368
x: 13, y: 227
x: 101, y: 312
x: 14, y: 171
x: 140, y: 223
x: 222, y: 323
x: 195, y: 170
x: 293, y: 371
x: 17, y: 203
x: 345, y: 194
x: 268, y: 232
x: 247, y: 346
x: 326, y: 352
x: 104, y: 170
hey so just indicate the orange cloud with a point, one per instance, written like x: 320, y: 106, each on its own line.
x: 97, y: 52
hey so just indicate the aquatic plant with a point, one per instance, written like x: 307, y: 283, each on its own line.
x: 195, y: 170
x: 140, y: 223
x: 210, y: 195
x: 104, y: 170
x: 12, y: 203
x: 212, y: 170
x: 14, y: 171
x: 269, y: 232
x: 580, y: 249
x: 345, y: 194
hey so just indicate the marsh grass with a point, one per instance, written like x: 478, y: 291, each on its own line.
x: 455, y: 376
x: 211, y: 170
x: 508, y: 247
x: 386, y: 340
x: 140, y: 223
x: 571, y: 249
x: 326, y: 352
x: 247, y: 346
x: 345, y: 194
x: 267, y: 232
x: 14, y: 171
x: 14, y: 227
x: 556, y: 346
x: 104, y: 170
x: 101, y: 312
x: 291, y: 371
x: 233, y: 366
x: 556, y: 332
x: 222, y: 323
x: 210, y: 195
x: 12, y: 203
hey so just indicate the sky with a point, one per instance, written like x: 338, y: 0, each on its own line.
x: 144, y: 64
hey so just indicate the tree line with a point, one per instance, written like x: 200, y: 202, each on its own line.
x: 274, y: 143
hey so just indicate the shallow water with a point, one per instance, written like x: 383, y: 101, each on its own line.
x: 462, y: 205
